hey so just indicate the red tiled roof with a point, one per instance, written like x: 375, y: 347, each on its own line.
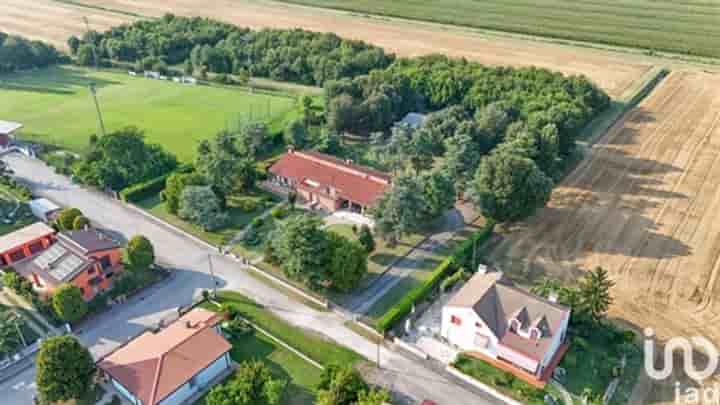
x: 349, y: 181
x: 154, y: 365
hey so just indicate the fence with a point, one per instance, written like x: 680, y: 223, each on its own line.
x: 20, y: 355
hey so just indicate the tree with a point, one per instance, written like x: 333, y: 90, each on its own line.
x: 73, y: 43
x: 295, y: 134
x: 252, y: 384
x: 438, y: 194
x: 546, y: 286
x: 374, y: 397
x: 174, y: 187
x: 65, y: 369
x: 200, y: 205
x: 509, y: 187
x: 10, y: 338
x: 66, y: 218
x: 224, y: 167
x: 308, y: 112
x: 461, y: 159
x: 347, y: 263
x: 300, y: 245
x: 80, y: 222
x: 292, y: 199
x: 85, y: 55
x: 420, y: 150
x: 68, y: 303
x: 400, y: 210
x: 139, y: 254
x: 340, y: 386
x: 595, y: 295
x: 366, y: 239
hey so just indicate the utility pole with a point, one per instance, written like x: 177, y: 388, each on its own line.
x: 212, y: 274
x: 91, y: 85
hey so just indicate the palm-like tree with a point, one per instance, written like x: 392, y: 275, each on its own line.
x: 546, y: 286
x: 595, y: 293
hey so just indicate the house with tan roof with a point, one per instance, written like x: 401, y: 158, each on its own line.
x: 329, y: 183
x: 506, y: 326
x: 173, y: 365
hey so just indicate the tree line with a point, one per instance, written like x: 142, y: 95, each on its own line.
x: 18, y: 53
x: 207, y: 46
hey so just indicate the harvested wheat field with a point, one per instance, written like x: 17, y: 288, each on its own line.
x: 52, y: 21
x: 612, y: 71
x: 645, y: 205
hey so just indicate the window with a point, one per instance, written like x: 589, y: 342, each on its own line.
x: 109, y: 274
x: 36, y: 247
x: 91, y: 270
x: 455, y: 320
x: 478, y: 325
x: 105, y: 262
x: 17, y: 255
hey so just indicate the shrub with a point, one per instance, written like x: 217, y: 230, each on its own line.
x: 247, y: 204
x: 139, y: 254
x: 65, y: 369
x: 144, y: 190
x: 279, y: 212
x: 238, y: 327
x: 80, y: 222
x: 66, y: 218
x: 366, y: 239
x: 68, y: 303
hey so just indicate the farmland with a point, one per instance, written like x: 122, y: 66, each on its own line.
x: 673, y: 26
x: 643, y: 206
x: 614, y: 72
x: 56, y: 107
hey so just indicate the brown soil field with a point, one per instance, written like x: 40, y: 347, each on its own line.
x: 52, y: 21
x: 614, y: 72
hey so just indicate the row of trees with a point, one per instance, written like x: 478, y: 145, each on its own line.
x: 317, y: 257
x: 123, y: 158
x: 207, y: 45
x: 17, y: 53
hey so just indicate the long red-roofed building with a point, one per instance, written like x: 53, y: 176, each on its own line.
x: 329, y: 182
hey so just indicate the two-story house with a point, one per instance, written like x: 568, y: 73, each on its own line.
x: 506, y: 326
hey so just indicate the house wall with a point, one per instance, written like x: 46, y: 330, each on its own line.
x: 556, y: 342
x: 199, y: 382
x: 517, y: 358
x: 6, y: 256
x: 465, y: 335
x: 82, y: 280
x: 124, y: 392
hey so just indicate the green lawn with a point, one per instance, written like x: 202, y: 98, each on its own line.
x: 682, y: 26
x: 313, y: 345
x: 56, y: 107
x: 21, y: 217
x: 238, y: 218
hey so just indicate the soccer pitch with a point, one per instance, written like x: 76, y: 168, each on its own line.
x: 56, y: 107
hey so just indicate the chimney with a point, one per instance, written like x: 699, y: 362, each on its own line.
x: 553, y: 297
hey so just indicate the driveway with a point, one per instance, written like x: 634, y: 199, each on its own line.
x: 410, y: 378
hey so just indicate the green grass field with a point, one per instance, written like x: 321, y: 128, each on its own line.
x: 56, y: 107
x: 681, y: 26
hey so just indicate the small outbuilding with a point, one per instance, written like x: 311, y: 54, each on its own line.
x: 413, y: 120
x: 7, y: 131
x: 44, y: 209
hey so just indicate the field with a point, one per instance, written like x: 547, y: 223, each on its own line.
x: 612, y: 71
x: 644, y: 206
x: 663, y: 25
x: 56, y: 107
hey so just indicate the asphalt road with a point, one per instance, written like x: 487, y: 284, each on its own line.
x: 412, y: 379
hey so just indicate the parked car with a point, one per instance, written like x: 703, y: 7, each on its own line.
x: 428, y: 402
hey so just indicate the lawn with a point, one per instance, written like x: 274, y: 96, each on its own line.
x: 27, y: 332
x: 56, y: 107
x: 682, y: 26
x: 13, y: 217
x: 238, y: 218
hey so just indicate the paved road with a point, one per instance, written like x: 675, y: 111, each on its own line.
x: 411, y: 379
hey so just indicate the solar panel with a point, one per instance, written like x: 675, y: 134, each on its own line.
x: 66, y: 267
x: 46, y: 259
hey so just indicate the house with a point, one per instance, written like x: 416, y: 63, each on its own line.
x: 44, y: 209
x: 87, y: 259
x: 506, y: 326
x: 171, y: 365
x: 25, y: 242
x: 413, y: 120
x: 7, y: 130
x: 328, y: 182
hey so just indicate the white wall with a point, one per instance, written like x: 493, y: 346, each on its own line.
x: 464, y: 335
x: 556, y: 342
x: 518, y: 359
x: 201, y: 380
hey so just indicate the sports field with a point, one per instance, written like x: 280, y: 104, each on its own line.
x: 682, y: 26
x: 56, y: 107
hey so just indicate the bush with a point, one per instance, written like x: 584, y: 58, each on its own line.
x: 279, y: 212
x: 139, y: 254
x: 247, y: 205
x: 144, y: 190
x: 238, y: 327
x: 459, y: 256
x: 80, y: 223
x: 68, y: 303
x: 66, y: 218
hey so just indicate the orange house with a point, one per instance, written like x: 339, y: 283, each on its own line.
x: 87, y: 259
x: 25, y: 242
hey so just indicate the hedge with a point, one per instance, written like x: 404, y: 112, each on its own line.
x: 141, y: 191
x: 452, y: 262
x: 147, y: 189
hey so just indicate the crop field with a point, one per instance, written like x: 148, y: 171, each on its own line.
x: 614, y: 72
x: 645, y: 206
x: 56, y: 107
x: 679, y: 26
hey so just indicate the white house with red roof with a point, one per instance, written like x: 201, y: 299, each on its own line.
x: 507, y: 327
x: 328, y: 182
x: 173, y: 365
